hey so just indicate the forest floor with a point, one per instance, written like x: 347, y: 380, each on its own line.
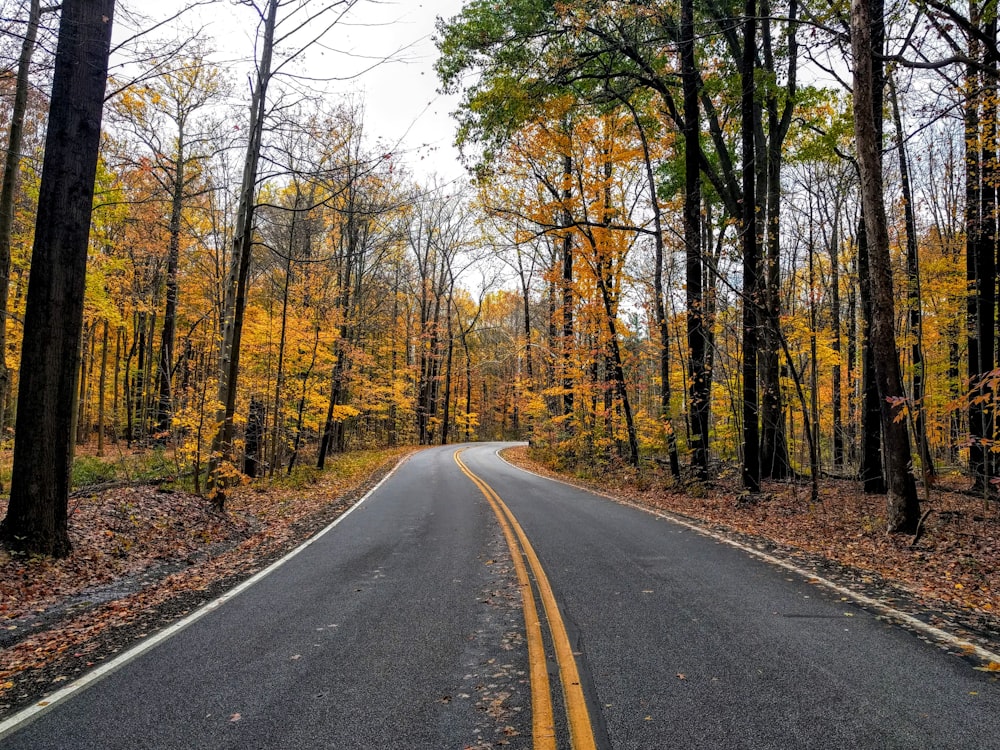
x: 145, y: 556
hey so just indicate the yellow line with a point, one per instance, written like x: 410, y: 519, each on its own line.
x: 578, y: 717
x: 543, y: 727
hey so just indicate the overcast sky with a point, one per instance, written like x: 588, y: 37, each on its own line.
x: 400, y: 98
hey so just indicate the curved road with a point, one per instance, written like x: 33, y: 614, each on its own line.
x: 402, y: 627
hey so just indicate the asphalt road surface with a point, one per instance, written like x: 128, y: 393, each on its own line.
x: 403, y: 627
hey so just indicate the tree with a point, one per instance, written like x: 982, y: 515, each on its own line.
x: 239, y: 271
x: 36, y: 517
x: 11, y: 171
x: 700, y: 378
x: 279, y: 35
x: 903, y: 505
x: 752, y: 308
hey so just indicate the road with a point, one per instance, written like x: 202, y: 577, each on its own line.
x: 403, y: 627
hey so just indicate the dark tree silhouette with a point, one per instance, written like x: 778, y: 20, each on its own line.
x: 43, y: 451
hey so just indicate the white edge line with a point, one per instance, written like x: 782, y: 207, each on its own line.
x: 46, y: 703
x: 936, y: 633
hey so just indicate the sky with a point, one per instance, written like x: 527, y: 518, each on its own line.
x: 401, y: 100
x: 400, y: 96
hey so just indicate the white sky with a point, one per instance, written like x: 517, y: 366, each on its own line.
x: 400, y: 98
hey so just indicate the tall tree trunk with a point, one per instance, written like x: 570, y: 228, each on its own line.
x: 164, y: 402
x: 86, y: 362
x: 618, y: 372
x: 903, y: 506
x: 11, y: 172
x: 468, y: 387
x: 813, y: 421
x: 835, y: 343
x: 239, y: 272
x: 852, y: 363
x: 279, y: 379
x: 659, y: 308
x: 256, y: 419
x: 751, y: 261
x: 568, y: 341
x: 973, y: 231
x: 446, y: 410
x: 300, y: 418
x: 37, y: 513
x: 699, y: 380
x: 986, y: 249
x: 101, y: 387
x: 871, y: 470
x: 914, y: 316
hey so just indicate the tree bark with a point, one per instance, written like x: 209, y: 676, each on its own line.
x: 164, y: 401
x: 239, y: 272
x: 914, y: 314
x: 774, y: 458
x: 568, y: 340
x: 101, y: 387
x: 973, y: 230
x: 37, y: 514
x: 835, y: 344
x: 903, y: 506
x: 751, y: 260
x: 11, y: 172
x: 699, y: 380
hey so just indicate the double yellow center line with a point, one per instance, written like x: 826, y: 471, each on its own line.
x: 542, y: 721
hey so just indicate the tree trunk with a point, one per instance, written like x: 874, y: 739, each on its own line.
x: 751, y: 261
x: 256, y: 420
x: 164, y: 402
x: 11, y: 172
x: 37, y: 513
x: 699, y: 381
x: 986, y: 239
x: 973, y: 230
x: 81, y: 433
x: 101, y: 387
x: 835, y: 344
x: 774, y: 445
x: 567, y: 293
x: 446, y: 409
x: 871, y: 470
x: 239, y: 272
x: 659, y: 308
x: 914, y: 316
x: 903, y: 506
